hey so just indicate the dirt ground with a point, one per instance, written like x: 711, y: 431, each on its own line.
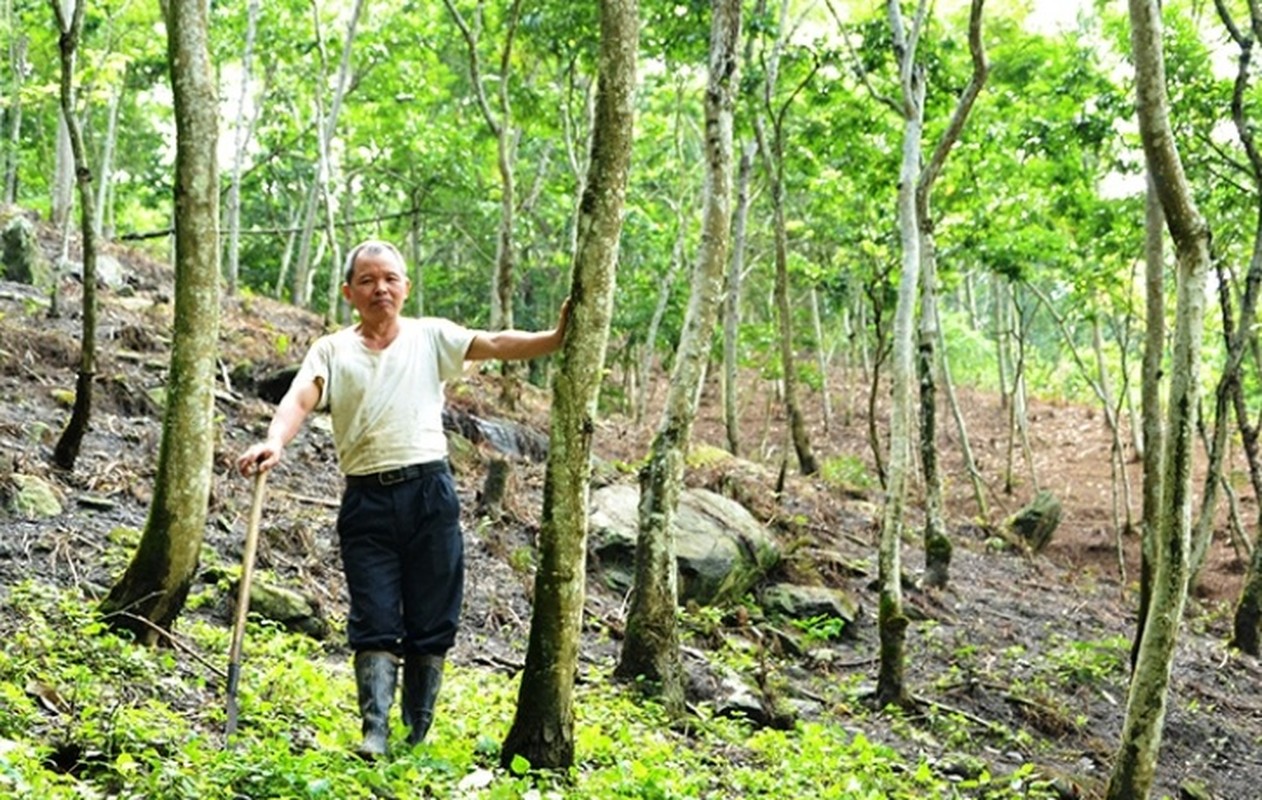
x: 1003, y: 619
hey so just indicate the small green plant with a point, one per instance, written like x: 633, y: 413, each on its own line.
x: 847, y: 473
x: 820, y: 629
x: 1090, y: 662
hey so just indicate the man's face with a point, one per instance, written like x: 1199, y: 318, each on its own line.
x: 379, y: 285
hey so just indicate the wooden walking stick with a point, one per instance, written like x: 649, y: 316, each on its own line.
x: 243, y: 602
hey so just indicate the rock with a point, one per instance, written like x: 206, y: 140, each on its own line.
x: 286, y: 606
x: 33, y: 498
x: 810, y: 602
x: 718, y: 544
x: 1034, y: 524
x: 20, y: 254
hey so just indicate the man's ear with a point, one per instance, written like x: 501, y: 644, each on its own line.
x: 346, y: 292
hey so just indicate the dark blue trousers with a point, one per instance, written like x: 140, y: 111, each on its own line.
x: 403, y: 556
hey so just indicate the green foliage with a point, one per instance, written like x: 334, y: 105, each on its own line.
x: 84, y: 712
x: 1083, y: 663
x: 846, y: 472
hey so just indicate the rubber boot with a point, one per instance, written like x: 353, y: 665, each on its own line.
x: 422, y: 678
x: 376, y: 673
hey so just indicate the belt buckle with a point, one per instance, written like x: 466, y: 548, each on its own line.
x: 390, y: 477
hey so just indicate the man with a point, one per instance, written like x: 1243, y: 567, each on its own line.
x: 399, y: 522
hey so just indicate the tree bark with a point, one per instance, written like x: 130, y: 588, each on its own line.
x: 156, y: 582
x: 937, y: 542
x: 892, y: 623
x: 732, y: 299
x: 66, y: 451
x: 17, y: 64
x: 772, y: 149
x: 1136, y: 760
x: 240, y: 141
x: 543, y: 726
x: 651, y: 647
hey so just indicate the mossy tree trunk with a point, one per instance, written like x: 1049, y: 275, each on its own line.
x: 156, y: 582
x: 543, y: 726
x: 66, y: 451
x: 1135, y: 764
x: 651, y: 647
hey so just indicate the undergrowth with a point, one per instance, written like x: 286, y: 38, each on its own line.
x: 85, y: 713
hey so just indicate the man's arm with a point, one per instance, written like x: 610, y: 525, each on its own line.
x: 512, y: 344
x: 290, y: 414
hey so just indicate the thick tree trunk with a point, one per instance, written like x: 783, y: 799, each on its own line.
x: 1135, y: 764
x: 651, y: 647
x: 156, y: 582
x: 66, y: 451
x: 543, y: 726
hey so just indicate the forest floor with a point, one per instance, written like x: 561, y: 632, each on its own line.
x: 1036, y: 646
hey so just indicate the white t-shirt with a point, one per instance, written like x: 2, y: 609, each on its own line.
x: 387, y: 405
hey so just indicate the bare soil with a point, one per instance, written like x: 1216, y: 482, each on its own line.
x: 1016, y: 640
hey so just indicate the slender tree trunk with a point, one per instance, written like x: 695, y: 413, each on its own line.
x: 503, y: 278
x: 543, y: 725
x: 651, y: 647
x: 891, y: 621
x: 240, y: 142
x: 157, y: 580
x: 937, y: 543
x: 1248, y: 615
x: 66, y: 451
x: 1135, y: 764
x: 821, y: 359
x: 328, y: 180
x: 18, y: 66
x: 966, y: 448
x: 63, y: 164
x: 1150, y: 399
x: 106, y: 170
x: 732, y: 299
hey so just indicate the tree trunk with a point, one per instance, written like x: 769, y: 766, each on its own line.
x: 891, y: 622
x: 937, y: 543
x: 240, y: 142
x: 543, y: 725
x: 106, y: 170
x: 504, y: 276
x: 63, y: 164
x: 732, y: 299
x: 17, y: 65
x: 327, y: 178
x: 651, y: 648
x: 773, y: 159
x: 156, y: 583
x: 1248, y: 613
x: 1136, y: 760
x: 1150, y: 399
x: 66, y: 451
x: 821, y: 359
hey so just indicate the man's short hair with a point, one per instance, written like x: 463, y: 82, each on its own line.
x: 371, y: 247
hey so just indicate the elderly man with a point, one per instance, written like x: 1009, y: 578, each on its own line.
x: 399, y: 523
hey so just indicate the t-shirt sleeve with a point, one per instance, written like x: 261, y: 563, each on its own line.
x: 451, y: 342
x: 315, y: 367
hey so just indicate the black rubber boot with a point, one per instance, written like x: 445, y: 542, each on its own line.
x: 376, y: 673
x: 422, y: 678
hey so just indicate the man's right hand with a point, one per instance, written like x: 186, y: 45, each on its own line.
x: 259, y: 458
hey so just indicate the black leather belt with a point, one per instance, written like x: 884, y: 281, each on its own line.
x: 390, y: 477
